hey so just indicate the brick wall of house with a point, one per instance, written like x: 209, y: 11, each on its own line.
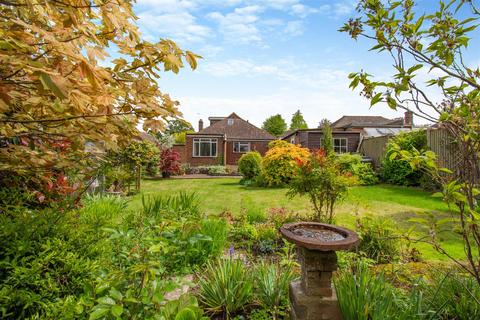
x: 233, y: 157
x: 181, y: 149
x: 203, y: 161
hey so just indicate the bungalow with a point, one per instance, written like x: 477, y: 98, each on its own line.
x: 224, y: 141
x: 348, y: 131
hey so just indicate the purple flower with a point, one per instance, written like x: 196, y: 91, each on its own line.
x: 231, y: 251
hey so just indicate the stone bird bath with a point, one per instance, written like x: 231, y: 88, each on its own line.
x: 313, y: 297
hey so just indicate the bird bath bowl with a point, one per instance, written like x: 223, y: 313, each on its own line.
x: 313, y: 297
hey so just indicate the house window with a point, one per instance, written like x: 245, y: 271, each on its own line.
x: 205, y: 147
x: 292, y: 140
x: 340, y: 145
x: 241, y: 147
x: 230, y: 122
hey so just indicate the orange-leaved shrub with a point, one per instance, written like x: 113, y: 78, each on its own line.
x: 279, y: 164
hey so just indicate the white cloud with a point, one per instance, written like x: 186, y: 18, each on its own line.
x: 302, y: 10
x: 290, y: 71
x: 239, y: 25
x: 180, y: 26
x: 294, y: 28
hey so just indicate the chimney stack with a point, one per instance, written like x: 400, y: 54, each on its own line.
x: 200, y: 125
x: 408, y: 119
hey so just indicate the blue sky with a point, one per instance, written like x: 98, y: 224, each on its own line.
x: 266, y: 57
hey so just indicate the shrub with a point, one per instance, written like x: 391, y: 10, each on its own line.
x: 363, y: 295
x: 378, y: 240
x: 364, y: 174
x: 48, y: 259
x: 217, y: 170
x: 226, y: 287
x: 399, y: 171
x: 271, y: 287
x: 250, y: 164
x: 185, y: 239
x: 320, y: 179
x: 118, y: 178
x: 347, y: 161
x: 277, y: 143
x: 169, y: 162
x: 279, y: 163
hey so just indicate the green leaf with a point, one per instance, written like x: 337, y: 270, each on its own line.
x: 98, y: 313
x: 445, y: 170
x: 376, y: 99
x: 419, y: 23
x: 392, y: 103
x: 448, y: 58
x: 414, y: 68
x: 116, y: 310
x: 106, y: 300
x: 49, y: 84
x: 115, y: 294
x: 186, y: 314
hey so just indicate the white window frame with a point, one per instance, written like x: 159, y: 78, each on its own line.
x: 230, y: 121
x: 240, y: 144
x: 340, y: 148
x: 292, y: 140
x: 198, y: 142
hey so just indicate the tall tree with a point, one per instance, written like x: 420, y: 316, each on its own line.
x: 327, y: 137
x: 298, y: 122
x: 432, y: 45
x: 276, y: 125
x: 178, y: 126
x: 56, y: 94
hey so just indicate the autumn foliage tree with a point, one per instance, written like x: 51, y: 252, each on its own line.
x: 428, y: 53
x: 77, y: 71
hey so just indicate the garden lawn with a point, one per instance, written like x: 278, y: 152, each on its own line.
x: 397, y: 203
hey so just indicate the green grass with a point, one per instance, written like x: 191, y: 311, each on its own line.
x: 397, y: 203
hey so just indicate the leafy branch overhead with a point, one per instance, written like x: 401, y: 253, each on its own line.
x: 60, y: 82
x: 431, y: 44
x: 428, y: 54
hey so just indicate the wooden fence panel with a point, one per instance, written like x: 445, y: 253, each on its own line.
x: 374, y: 148
x: 448, y: 154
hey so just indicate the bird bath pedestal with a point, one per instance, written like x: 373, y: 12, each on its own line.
x: 313, y: 296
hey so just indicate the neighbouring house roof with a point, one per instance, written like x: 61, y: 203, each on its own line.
x: 377, y: 132
x: 291, y: 133
x: 367, y: 121
x: 234, y: 127
x: 287, y: 133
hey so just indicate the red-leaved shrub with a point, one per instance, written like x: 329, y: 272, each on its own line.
x: 169, y: 162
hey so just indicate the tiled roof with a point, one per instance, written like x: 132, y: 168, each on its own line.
x: 234, y: 127
x: 366, y: 121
